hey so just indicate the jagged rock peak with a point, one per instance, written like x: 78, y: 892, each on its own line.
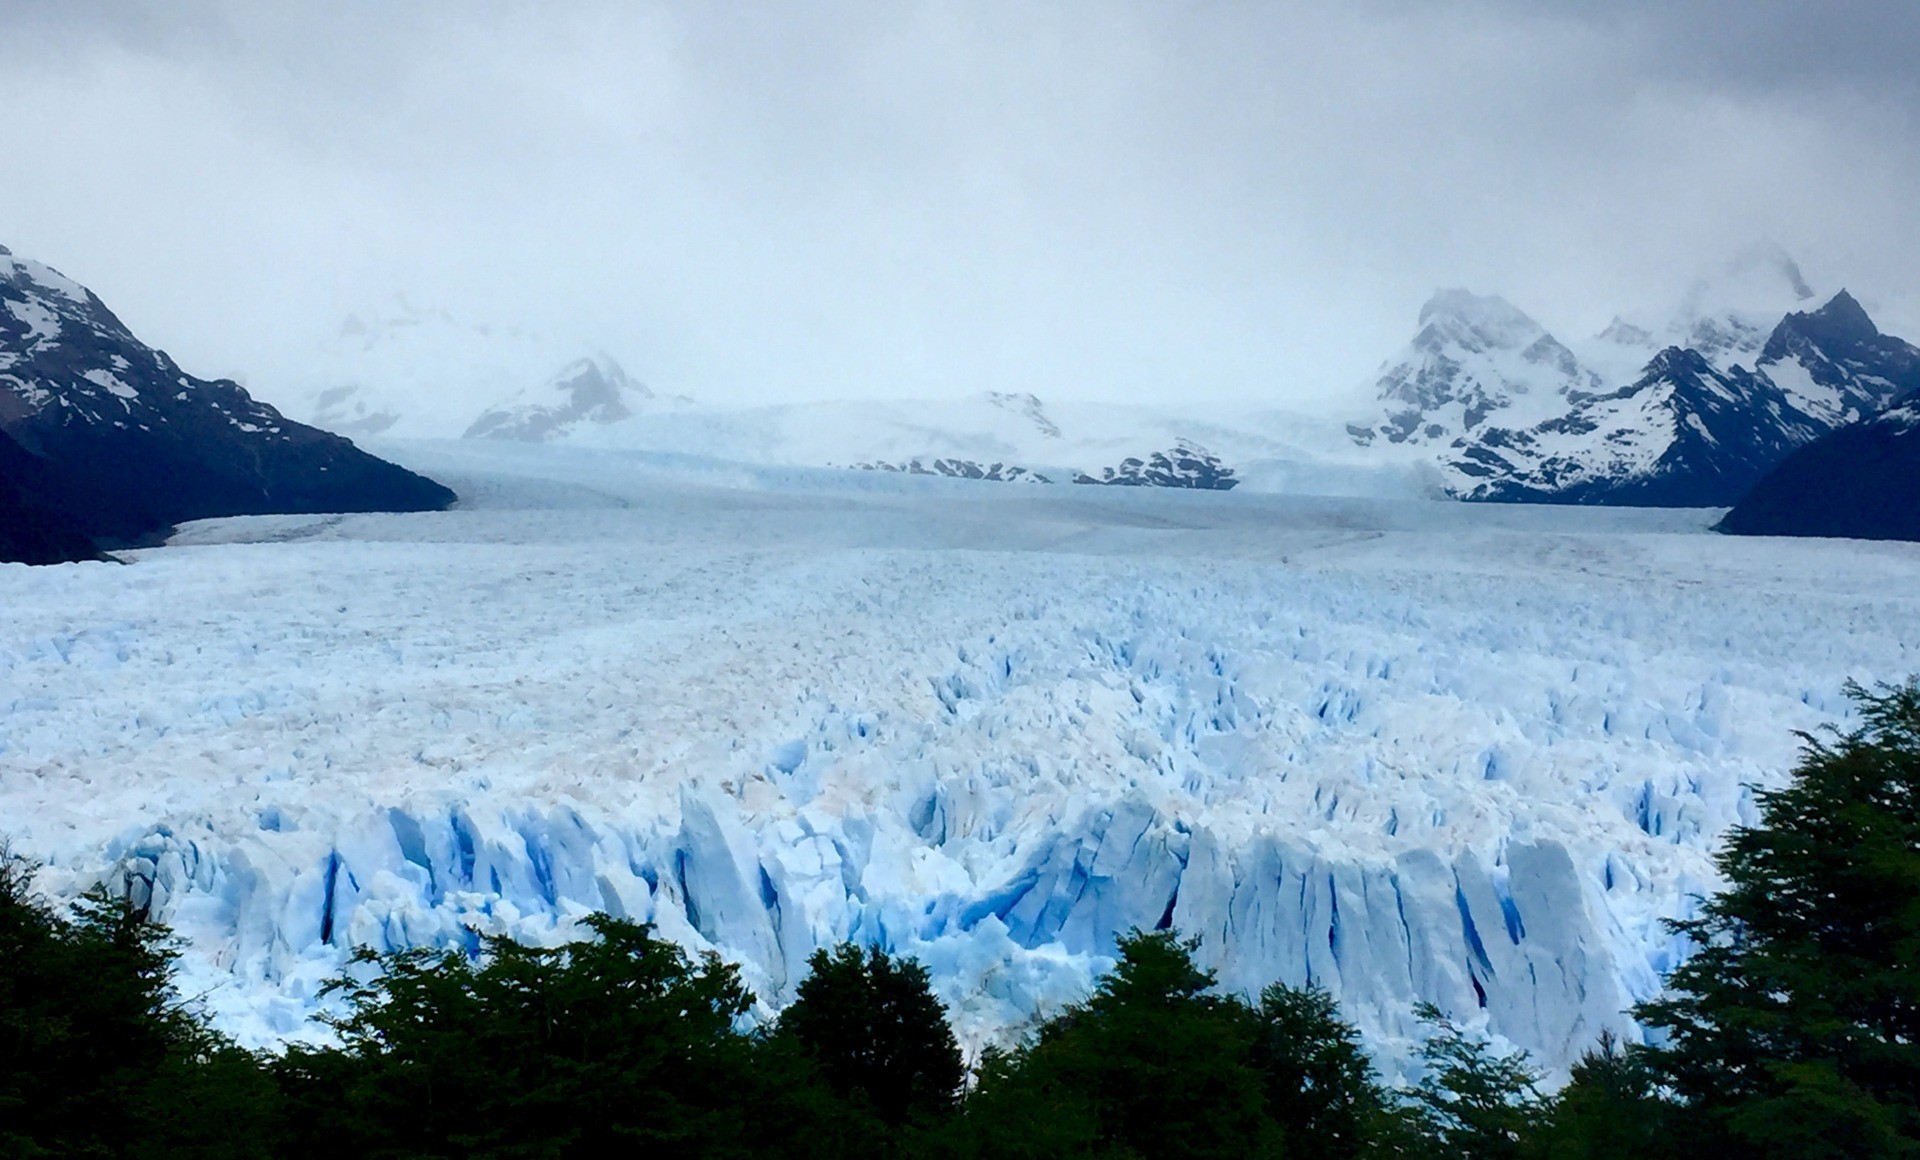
x: 1843, y: 317
x: 594, y: 390
x: 1677, y: 360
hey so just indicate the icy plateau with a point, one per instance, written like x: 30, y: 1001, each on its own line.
x: 1472, y: 754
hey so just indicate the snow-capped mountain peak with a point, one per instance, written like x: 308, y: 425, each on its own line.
x: 1688, y: 414
x: 587, y: 390
x: 38, y: 307
x: 1487, y: 321
x: 406, y: 370
x: 1474, y: 357
x: 1029, y: 406
x: 1836, y: 365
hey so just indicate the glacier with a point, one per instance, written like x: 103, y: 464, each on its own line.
x: 1407, y: 750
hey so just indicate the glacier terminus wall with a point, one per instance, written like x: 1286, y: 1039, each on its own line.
x: 1407, y: 751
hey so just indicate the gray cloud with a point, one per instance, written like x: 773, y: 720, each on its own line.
x: 1093, y: 200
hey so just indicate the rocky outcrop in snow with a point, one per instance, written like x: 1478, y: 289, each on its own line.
x: 960, y: 469
x: 586, y: 391
x: 1186, y: 464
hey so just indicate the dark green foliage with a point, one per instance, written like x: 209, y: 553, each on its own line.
x: 97, y: 1056
x: 1473, y: 1102
x: 1611, y: 1109
x: 879, y: 1037
x: 1318, y: 1083
x: 1795, y: 1027
x: 1153, y: 1064
x: 612, y: 1044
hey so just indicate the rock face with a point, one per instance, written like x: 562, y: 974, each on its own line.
x: 1684, y: 435
x: 1507, y: 413
x: 1186, y: 464
x: 121, y: 443
x: 35, y: 527
x: 959, y: 469
x: 1836, y: 366
x: 1860, y: 482
x: 584, y: 392
x: 1475, y: 360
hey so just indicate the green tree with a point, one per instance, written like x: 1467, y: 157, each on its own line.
x: 613, y: 1044
x: 98, y: 1056
x: 1319, y: 1085
x: 1611, y: 1109
x: 1795, y: 1025
x: 1473, y: 1102
x: 877, y: 1033
x: 1153, y: 1064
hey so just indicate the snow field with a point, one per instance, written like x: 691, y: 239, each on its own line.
x: 1408, y: 751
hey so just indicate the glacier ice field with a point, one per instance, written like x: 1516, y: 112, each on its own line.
x: 1406, y: 750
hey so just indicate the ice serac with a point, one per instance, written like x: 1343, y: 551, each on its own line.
x: 1861, y: 482
x: 127, y: 444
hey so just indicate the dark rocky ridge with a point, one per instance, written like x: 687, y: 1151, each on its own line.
x: 1859, y: 482
x: 117, y: 442
x: 1184, y: 465
x: 959, y: 469
x: 1688, y: 434
x: 35, y: 525
x: 1728, y: 429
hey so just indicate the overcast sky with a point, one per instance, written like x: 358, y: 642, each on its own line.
x: 1148, y: 201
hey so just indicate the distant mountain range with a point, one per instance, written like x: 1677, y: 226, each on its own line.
x: 105, y: 441
x: 1506, y: 412
x: 1484, y: 403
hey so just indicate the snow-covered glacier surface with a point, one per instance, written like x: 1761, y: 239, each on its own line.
x: 1471, y: 754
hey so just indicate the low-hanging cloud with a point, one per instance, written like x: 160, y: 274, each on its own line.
x: 1151, y: 201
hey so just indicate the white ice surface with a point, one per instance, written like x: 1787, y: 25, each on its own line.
x: 1409, y: 750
